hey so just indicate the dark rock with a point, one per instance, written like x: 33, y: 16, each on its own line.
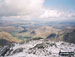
x: 70, y: 37
x: 18, y: 50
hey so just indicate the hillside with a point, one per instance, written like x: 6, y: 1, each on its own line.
x: 44, y: 31
x: 39, y: 32
x: 70, y: 36
x: 6, y: 38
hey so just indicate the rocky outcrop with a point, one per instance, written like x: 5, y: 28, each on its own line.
x: 70, y: 36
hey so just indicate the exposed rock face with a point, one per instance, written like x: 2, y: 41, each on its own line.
x: 40, y: 48
x: 70, y: 36
x: 3, y: 42
x: 18, y: 50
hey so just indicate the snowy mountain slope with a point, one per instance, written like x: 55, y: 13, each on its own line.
x: 40, y: 48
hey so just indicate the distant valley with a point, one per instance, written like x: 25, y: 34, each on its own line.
x: 31, y: 29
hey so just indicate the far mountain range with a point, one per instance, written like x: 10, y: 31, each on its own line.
x: 19, y: 30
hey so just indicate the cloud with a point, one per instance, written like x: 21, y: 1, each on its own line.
x: 57, y: 14
x: 20, y: 7
x: 30, y: 9
x: 50, y: 13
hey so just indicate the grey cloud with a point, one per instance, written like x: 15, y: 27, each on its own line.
x: 20, y: 7
x: 30, y: 9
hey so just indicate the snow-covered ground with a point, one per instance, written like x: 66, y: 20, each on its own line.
x: 41, y: 48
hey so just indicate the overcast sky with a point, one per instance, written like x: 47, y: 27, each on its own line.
x: 37, y: 9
